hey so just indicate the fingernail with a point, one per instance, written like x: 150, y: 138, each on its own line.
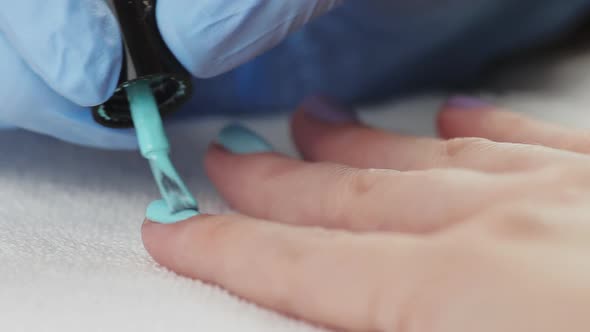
x: 159, y: 212
x: 241, y: 140
x: 467, y: 103
x: 327, y: 110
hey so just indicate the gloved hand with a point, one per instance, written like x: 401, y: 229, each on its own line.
x: 59, y: 57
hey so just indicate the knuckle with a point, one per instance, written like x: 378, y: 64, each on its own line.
x: 363, y: 181
x: 549, y: 192
x: 334, y: 207
x: 351, y: 186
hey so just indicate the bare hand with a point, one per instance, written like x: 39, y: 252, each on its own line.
x: 376, y: 231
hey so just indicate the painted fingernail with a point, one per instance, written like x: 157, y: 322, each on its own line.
x: 159, y: 212
x: 467, y: 103
x: 327, y: 110
x: 241, y: 140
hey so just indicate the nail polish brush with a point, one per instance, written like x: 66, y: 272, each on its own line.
x: 152, y: 84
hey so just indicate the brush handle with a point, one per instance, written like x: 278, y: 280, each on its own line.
x: 148, y: 123
x: 146, y: 58
x: 154, y: 146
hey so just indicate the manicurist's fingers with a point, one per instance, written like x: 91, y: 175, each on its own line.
x: 326, y: 131
x: 278, y: 188
x: 73, y: 46
x: 213, y: 37
x: 467, y: 117
x: 327, y: 277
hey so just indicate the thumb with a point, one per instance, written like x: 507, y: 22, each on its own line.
x: 212, y: 37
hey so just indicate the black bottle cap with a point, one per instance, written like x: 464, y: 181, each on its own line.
x: 146, y: 57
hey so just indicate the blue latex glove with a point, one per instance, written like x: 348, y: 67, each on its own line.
x: 55, y: 58
x: 58, y: 57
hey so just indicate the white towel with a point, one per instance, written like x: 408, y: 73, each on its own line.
x: 71, y: 257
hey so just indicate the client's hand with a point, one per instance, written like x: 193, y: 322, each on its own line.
x: 384, y: 232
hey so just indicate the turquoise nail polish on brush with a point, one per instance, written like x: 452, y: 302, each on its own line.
x: 178, y: 202
x: 241, y: 140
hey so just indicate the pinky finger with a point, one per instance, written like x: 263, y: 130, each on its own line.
x: 466, y: 117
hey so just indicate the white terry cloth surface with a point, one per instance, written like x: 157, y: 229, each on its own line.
x: 71, y: 257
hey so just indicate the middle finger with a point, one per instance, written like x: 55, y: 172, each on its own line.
x: 274, y: 187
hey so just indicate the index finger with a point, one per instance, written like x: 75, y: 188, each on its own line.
x: 331, y: 278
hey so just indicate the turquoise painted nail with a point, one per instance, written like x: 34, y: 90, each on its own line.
x: 159, y: 212
x: 241, y: 140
